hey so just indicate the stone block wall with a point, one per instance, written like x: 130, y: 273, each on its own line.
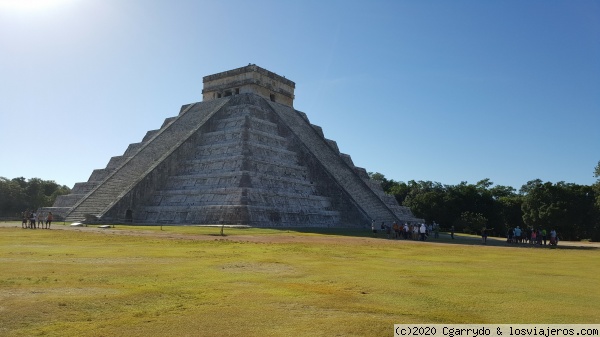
x: 249, y: 80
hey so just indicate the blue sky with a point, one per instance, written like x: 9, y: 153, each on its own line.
x: 446, y: 91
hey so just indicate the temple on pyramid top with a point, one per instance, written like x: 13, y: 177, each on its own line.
x: 249, y: 79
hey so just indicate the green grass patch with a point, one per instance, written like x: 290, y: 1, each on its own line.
x: 191, y: 281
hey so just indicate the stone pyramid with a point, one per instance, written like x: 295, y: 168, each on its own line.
x: 243, y: 156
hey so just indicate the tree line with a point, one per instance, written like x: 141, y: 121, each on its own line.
x: 20, y: 194
x: 572, y: 210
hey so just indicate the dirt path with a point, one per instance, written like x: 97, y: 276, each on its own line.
x: 300, y: 237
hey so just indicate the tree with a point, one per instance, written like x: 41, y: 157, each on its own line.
x: 573, y: 210
x: 596, y: 230
x: 473, y: 199
x: 472, y: 222
x: 568, y: 208
x: 12, y: 197
x: 510, y: 212
x: 380, y: 178
x: 400, y: 191
x: 426, y: 200
x: 597, y: 184
x: 19, y: 194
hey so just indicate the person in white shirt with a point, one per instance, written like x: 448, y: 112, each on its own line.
x: 423, y: 231
x: 553, y: 240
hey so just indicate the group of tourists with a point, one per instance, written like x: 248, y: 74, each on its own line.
x: 532, y: 236
x: 36, y: 220
x: 421, y: 231
x: 408, y: 231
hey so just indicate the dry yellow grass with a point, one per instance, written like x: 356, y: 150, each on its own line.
x: 190, y: 282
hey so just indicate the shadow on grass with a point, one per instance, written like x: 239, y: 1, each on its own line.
x: 444, y: 238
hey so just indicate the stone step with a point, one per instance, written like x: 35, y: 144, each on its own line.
x: 84, y: 188
x: 98, y: 175
x: 236, y: 147
x: 239, y: 121
x: 233, y: 163
x: 149, y: 135
x: 256, y: 216
x: 233, y: 178
x: 67, y: 200
x: 132, y: 149
x: 288, y: 200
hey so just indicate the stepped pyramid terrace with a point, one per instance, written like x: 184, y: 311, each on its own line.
x: 242, y: 156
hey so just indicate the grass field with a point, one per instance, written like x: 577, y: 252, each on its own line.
x: 189, y: 281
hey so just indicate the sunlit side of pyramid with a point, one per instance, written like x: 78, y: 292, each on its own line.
x: 243, y: 156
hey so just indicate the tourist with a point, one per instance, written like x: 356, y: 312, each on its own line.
x: 452, y: 232
x: 396, y: 230
x: 32, y: 220
x: 539, y: 237
x: 40, y: 220
x: 422, y: 232
x: 533, y: 237
x: 24, y: 219
x: 405, y: 231
x: 553, y: 237
x: 49, y: 219
x: 544, y: 236
x: 518, y: 234
x: 484, y: 235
